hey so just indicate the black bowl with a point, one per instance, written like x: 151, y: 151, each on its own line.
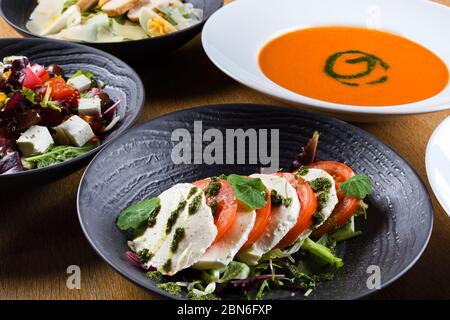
x: 122, y: 84
x: 16, y: 13
x: 395, y: 233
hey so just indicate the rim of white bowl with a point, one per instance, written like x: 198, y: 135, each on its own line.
x: 432, y: 104
x: 445, y: 204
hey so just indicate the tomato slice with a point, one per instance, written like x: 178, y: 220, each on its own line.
x: 339, y: 171
x: 226, y: 208
x: 41, y: 72
x: 61, y: 91
x: 262, y: 219
x: 347, y: 204
x: 308, y: 206
x: 31, y: 80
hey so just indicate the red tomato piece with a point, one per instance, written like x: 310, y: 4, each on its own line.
x: 61, y: 91
x: 31, y: 80
x: 347, y: 204
x: 226, y: 205
x: 308, y: 206
x: 261, y: 222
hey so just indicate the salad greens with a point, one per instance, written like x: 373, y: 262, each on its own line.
x: 58, y: 154
x: 298, y: 267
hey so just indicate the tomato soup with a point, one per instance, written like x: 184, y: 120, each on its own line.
x: 353, y: 66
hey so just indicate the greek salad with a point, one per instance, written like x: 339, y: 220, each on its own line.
x: 248, y: 235
x: 47, y: 118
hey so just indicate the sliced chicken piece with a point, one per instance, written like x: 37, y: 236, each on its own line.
x: 134, y: 12
x: 118, y: 7
x: 86, y: 4
x: 101, y: 3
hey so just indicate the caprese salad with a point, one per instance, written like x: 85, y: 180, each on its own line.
x: 47, y: 118
x: 248, y: 234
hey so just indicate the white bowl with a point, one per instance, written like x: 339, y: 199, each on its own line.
x: 437, y: 161
x: 234, y: 36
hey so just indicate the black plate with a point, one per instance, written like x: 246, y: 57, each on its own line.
x: 122, y: 84
x: 395, y: 234
x: 16, y: 13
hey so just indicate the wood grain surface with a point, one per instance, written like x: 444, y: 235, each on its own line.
x: 39, y: 231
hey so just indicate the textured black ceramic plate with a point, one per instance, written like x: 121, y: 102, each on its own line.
x: 16, y: 13
x: 122, y: 84
x: 139, y: 165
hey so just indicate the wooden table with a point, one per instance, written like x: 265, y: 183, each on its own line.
x: 39, y: 231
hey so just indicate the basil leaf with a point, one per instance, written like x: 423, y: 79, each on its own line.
x: 250, y: 191
x: 235, y: 271
x: 137, y: 214
x: 359, y: 186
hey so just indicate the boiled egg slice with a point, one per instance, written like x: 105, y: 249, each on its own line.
x: 71, y: 17
x: 153, y: 24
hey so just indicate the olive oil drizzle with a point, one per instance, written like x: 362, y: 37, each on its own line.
x: 368, y: 58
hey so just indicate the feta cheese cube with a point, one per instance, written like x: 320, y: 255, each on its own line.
x: 90, y: 107
x: 81, y: 82
x: 77, y: 130
x: 10, y: 59
x: 35, y: 140
x: 60, y: 136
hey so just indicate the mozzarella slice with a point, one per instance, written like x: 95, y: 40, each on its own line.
x: 281, y: 219
x: 199, y: 231
x: 222, y: 252
x: 332, y: 199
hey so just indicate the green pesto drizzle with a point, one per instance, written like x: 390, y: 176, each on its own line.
x: 322, y: 199
x: 192, y: 192
x: 171, y: 287
x: 318, y: 218
x: 155, y: 276
x: 213, y: 188
x: 145, y: 255
x: 302, y: 171
x: 278, y: 200
x: 177, y: 237
x: 321, y: 184
x: 214, y: 205
x: 167, y: 265
x: 195, y: 205
x: 152, y: 217
x: 380, y: 80
x: 174, y: 216
x: 370, y: 59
